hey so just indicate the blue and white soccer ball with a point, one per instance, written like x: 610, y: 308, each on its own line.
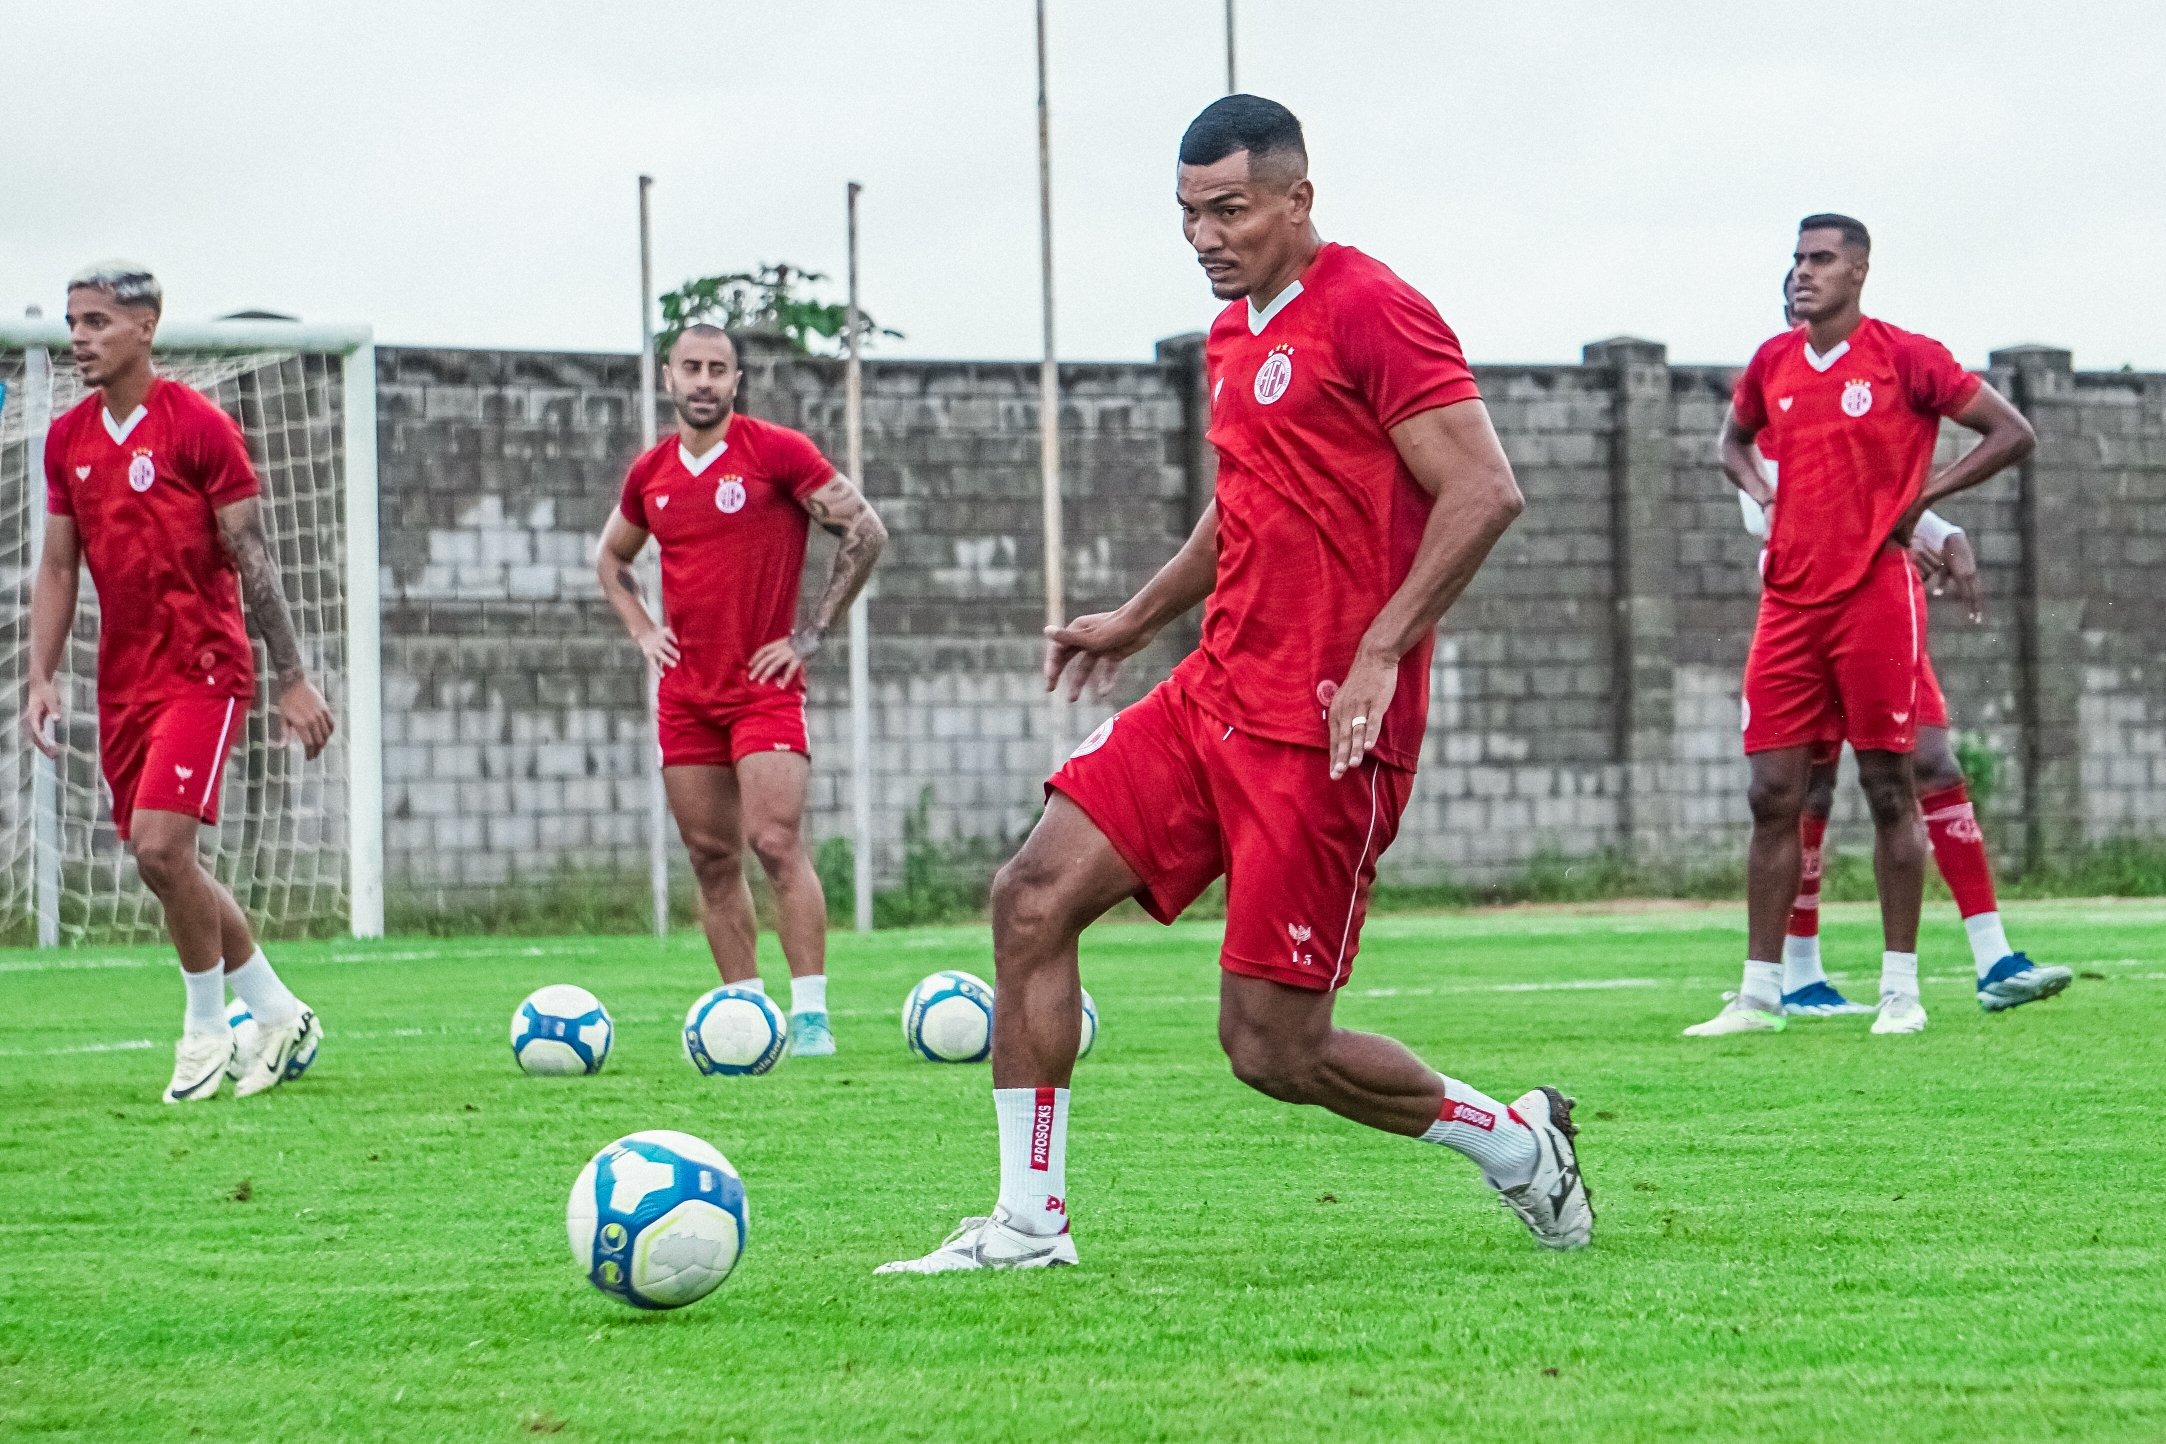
x: 243, y: 1024
x: 657, y: 1219
x: 734, y: 1032
x: 948, y: 1018
x: 561, y: 1030
x: 1090, y: 1026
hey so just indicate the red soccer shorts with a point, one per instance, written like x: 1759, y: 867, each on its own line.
x: 1932, y: 705
x: 1184, y: 798
x: 1848, y: 671
x: 167, y: 756
x: 721, y: 734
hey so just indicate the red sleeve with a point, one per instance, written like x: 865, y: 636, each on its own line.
x: 1748, y: 402
x: 59, y: 501
x: 799, y: 465
x: 633, y: 504
x: 1937, y: 383
x: 1401, y: 355
x: 222, y: 467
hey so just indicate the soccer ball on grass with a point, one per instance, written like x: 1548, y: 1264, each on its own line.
x: 561, y: 1029
x: 948, y: 1018
x: 734, y: 1032
x: 657, y: 1219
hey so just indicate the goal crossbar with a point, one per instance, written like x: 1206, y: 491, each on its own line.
x: 355, y: 344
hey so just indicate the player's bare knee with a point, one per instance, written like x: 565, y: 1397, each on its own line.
x: 1890, y: 795
x: 164, y: 866
x: 1820, y: 793
x: 1776, y: 799
x: 715, y: 863
x: 1026, y: 900
x: 777, y: 846
x: 1267, y: 1063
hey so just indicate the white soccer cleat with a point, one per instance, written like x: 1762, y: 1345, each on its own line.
x: 1900, y: 1013
x: 989, y: 1243
x: 199, y: 1065
x: 1737, y: 1016
x: 1555, y: 1204
x: 276, y: 1047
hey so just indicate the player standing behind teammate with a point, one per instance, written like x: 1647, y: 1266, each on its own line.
x: 1853, y: 406
x: 149, y: 484
x: 729, y: 500
x: 1359, y: 487
x: 2006, y: 978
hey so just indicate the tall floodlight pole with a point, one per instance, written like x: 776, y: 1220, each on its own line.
x: 1056, y: 613
x: 853, y: 425
x: 657, y: 800
x: 1231, y: 87
x: 45, y: 772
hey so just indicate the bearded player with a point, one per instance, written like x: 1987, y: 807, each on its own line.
x: 729, y: 500
x: 1852, y: 408
x: 2006, y: 978
x: 149, y: 484
x: 1359, y: 487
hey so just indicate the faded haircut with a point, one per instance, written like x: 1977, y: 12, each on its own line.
x: 125, y: 281
x: 709, y: 328
x: 1854, y: 232
x: 1265, y: 129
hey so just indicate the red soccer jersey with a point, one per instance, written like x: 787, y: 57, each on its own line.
x: 732, y: 527
x: 1318, y: 518
x: 1854, y: 431
x: 143, y: 494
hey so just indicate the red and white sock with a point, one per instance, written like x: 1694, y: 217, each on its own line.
x: 1496, y: 1138
x: 1959, y: 851
x: 1801, y: 965
x: 1034, y: 1157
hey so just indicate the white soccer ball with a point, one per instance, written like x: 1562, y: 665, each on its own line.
x: 948, y: 1018
x: 1090, y: 1026
x: 657, y: 1219
x: 734, y: 1032
x: 243, y: 1024
x: 561, y: 1030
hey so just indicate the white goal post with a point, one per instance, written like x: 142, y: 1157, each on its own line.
x: 307, y: 850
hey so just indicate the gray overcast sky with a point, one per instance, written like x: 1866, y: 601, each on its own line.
x: 462, y: 173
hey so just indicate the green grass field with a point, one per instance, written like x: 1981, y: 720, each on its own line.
x: 1821, y: 1235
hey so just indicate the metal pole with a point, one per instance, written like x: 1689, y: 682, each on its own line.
x: 45, y: 772
x: 1056, y: 605
x: 364, y: 648
x: 853, y: 412
x: 657, y: 799
x: 1231, y: 87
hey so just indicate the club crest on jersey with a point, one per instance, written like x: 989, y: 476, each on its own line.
x: 142, y: 471
x: 1097, y: 739
x: 1857, y: 398
x: 730, y: 495
x: 1275, y: 375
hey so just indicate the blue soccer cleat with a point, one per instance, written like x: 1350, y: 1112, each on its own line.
x: 2016, y: 980
x: 810, y: 1037
x: 1821, y: 1000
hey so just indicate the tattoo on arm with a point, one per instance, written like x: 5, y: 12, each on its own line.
x: 841, y: 510
x: 241, y: 528
x: 628, y: 580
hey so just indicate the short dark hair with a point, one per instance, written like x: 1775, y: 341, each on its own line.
x: 1854, y: 232
x: 709, y: 328
x: 1263, y: 128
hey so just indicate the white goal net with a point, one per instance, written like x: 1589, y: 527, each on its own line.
x: 297, y: 841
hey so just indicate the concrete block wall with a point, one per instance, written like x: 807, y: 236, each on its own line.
x: 1584, y: 694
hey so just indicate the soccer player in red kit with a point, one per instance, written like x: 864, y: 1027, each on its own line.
x: 1360, y: 485
x: 149, y: 484
x: 1853, y: 407
x: 729, y: 500
x: 2006, y: 978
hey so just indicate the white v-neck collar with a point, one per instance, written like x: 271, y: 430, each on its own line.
x: 698, y: 464
x: 1821, y: 363
x: 119, y: 430
x: 1257, y: 320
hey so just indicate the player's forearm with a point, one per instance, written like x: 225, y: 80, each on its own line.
x: 1182, y: 583
x: 52, y: 615
x: 621, y: 589
x: 1742, y: 466
x: 858, y: 552
x: 262, y: 593
x: 1454, y: 544
x: 2002, y: 447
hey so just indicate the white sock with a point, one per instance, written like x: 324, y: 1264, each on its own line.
x: 1988, y: 940
x: 1473, y: 1123
x: 1899, y: 974
x: 1762, y: 987
x: 259, y: 987
x: 1034, y: 1157
x: 809, y: 995
x: 752, y: 984
x: 206, y: 1001
x: 1801, y: 963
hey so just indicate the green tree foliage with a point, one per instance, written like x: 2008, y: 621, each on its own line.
x: 774, y: 298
